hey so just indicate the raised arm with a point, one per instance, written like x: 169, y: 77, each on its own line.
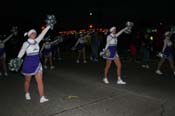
x: 42, y: 34
x: 23, y: 50
x: 42, y: 48
x: 77, y: 42
x: 53, y: 42
x: 9, y: 37
x: 121, y: 31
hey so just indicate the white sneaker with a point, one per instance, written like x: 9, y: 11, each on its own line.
x: 6, y: 74
x: 27, y: 95
x: 147, y: 66
x: 105, y: 80
x: 143, y: 66
x: 43, y: 99
x: 78, y: 61
x: 121, y: 82
x: 59, y: 58
x: 45, y: 66
x: 84, y: 61
x: 174, y: 73
x: 52, y: 67
x: 0, y: 74
x: 159, y: 72
x: 91, y: 58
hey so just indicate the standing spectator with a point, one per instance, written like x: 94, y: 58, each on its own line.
x: 95, y: 44
x: 145, y: 50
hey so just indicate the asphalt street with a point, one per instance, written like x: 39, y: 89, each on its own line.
x: 77, y: 90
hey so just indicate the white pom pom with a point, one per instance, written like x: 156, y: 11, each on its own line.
x: 25, y: 34
x: 160, y: 54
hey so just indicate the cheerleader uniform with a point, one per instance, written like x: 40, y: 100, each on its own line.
x: 2, y: 46
x: 31, y: 64
x: 57, y: 44
x: 111, y: 47
x: 168, y: 51
x: 81, y: 43
x: 47, y: 49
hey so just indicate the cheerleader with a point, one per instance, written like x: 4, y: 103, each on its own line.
x: 3, y: 54
x: 80, y: 46
x: 47, y: 51
x: 111, y: 45
x: 31, y: 64
x: 167, y: 53
x: 56, y: 49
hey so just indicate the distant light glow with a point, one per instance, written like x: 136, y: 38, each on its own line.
x: 43, y: 27
x: 90, y: 26
x: 154, y: 30
x: 148, y: 30
x: 151, y: 38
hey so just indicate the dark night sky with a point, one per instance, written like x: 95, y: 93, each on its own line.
x: 72, y: 14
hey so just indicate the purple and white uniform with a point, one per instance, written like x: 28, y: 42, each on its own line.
x: 111, y: 45
x: 167, y: 49
x: 81, y: 43
x: 47, y: 49
x: 32, y: 64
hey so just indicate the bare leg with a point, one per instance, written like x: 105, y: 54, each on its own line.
x: 59, y: 53
x: 171, y: 62
x: 27, y: 83
x: 160, y: 63
x: 84, y: 53
x: 118, y: 65
x: 50, y: 60
x: 4, y: 64
x: 108, y: 64
x: 79, y: 54
x: 39, y: 80
x: 45, y: 61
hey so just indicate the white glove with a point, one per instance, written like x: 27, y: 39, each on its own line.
x: 160, y: 54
